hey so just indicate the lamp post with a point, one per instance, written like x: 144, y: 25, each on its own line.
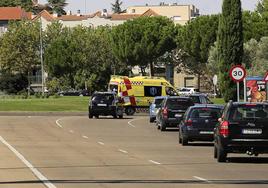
x: 41, y: 58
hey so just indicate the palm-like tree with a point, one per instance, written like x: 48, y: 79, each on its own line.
x: 57, y: 6
x: 116, y: 7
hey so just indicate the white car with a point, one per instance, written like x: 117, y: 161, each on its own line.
x: 187, y: 91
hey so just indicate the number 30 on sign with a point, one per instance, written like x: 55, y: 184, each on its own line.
x: 237, y: 73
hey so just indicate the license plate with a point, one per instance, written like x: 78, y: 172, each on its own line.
x: 252, y: 131
x: 102, y: 104
x: 206, y: 132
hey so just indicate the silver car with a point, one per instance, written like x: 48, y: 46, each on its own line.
x: 154, y: 107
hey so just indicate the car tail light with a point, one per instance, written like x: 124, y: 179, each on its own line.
x: 189, y: 122
x: 224, y: 128
x: 165, y: 112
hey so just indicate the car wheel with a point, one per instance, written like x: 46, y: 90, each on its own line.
x: 162, y: 126
x: 115, y: 116
x: 120, y: 116
x: 184, y: 141
x: 215, y: 152
x: 151, y: 119
x: 130, y: 111
x: 90, y: 116
x: 221, y: 154
x: 180, y: 140
x: 97, y: 116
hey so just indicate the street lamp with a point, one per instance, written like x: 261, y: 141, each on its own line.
x: 41, y: 58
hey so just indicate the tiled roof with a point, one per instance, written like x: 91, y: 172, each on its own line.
x: 14, y: 13
x: 124, y: 16
x: 44, y: 14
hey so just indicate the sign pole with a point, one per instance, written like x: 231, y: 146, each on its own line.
x: 245, y: 90
x: 237, y: 91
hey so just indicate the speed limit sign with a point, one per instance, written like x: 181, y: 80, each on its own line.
x: 238, y: 73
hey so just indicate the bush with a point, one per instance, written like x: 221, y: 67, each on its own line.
x: 13, y: 83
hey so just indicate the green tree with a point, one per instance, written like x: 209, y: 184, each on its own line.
x: 262, y: 6
x: 58, y: 6
x: 230, y: 45
x: 19, y: 52
x: 196, y: 38
x: 116, y: 7
x: 26, y: 4
x: 141, y: 41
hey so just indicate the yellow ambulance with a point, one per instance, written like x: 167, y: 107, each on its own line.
x: 139, y: 91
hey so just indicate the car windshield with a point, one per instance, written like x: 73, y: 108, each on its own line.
x: 250, y: 111
x: 175, y: 103
x: 158, y: 102
x: 211, y: 113
x: 185, y: 90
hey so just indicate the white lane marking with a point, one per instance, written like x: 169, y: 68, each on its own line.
x: 123, y: 151
x: 71, y: 131
x: 85, y: 137
x: 130, y: 122
x: 101, y: 143
x: 201, y: 179
x: 29, y: 116
x: 58, y: 124
x: 36, y: 172
x: 155, y: 162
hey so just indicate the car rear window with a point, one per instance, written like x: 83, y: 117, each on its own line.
x: 249, y: 111
x: 103, y: 97
x: 211, y: 113
x: 175, y: 103
x: 158, y: 102
x: 195, y: 99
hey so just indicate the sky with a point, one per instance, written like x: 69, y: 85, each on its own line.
x: 205, y: 6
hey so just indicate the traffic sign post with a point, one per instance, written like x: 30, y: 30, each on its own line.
x: 266, y: 83
x: 237, y: 73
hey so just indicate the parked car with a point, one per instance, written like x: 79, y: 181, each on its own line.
x: 198, y: 123
x: 154, y: 107
x: 200, y: 98
x: 172, y: 110
x: 187, y: 90
x: 243, y: 128
x: 73, y: 92
x: 105, y: 103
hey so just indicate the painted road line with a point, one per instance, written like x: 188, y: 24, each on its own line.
x: 36, y: 172
x: 71, y: 131
x: 85, y: 137
x: 131, y: 124
x: 58, y: 124
x: 101, y: 143
x: 123, y: 151
x: 155, y: 162
x: 201, y: 179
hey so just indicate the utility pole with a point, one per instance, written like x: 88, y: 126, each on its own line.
x: 41, y: 58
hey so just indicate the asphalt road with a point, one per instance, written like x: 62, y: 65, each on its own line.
x: 73, y: 151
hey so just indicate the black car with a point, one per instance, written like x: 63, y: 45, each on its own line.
x: 172, y: 110
x: 198, y: 123
x: 200, y: 98
x: 105, y: 103
x: 243, y: 128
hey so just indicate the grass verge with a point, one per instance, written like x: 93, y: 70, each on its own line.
x: 62, y: 104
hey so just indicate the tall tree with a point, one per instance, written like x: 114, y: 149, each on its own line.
x: 195, y: 38
x: 141, y: 41
x: 116, y: 7
x: 58, y: 6
x: 262, y: 6
x: 20, y: 48
x: 230, y: 45
x: 26, y: 4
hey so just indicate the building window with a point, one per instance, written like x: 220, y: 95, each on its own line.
x: 133, y: 11
x: 176, y: 18
x: 189, y: 82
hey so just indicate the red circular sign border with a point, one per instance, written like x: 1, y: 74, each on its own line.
x: 237, y: 66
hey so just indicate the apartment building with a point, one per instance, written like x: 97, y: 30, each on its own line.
x: 8, y: 14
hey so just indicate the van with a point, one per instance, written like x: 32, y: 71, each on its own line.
x: 139, y: 91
